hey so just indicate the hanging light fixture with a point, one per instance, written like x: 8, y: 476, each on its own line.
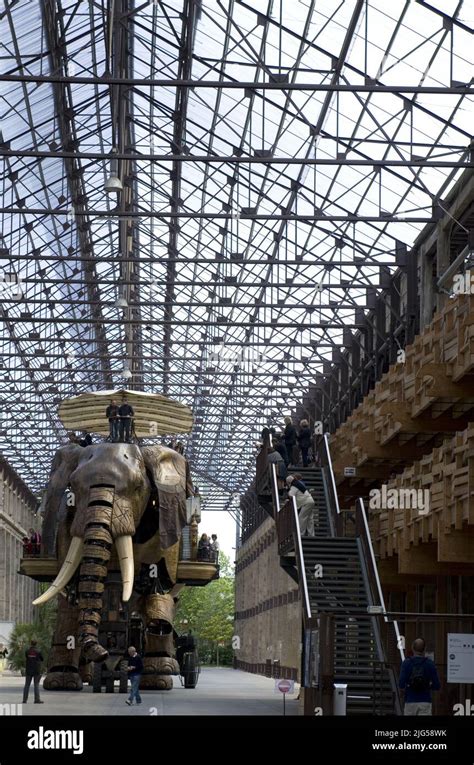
x: 121, y: 303
x: 113, y: 184
x: 126, y: 374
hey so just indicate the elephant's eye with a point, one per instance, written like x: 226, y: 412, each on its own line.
x: 126, y: 456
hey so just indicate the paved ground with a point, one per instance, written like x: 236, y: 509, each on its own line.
x: 218, y: 692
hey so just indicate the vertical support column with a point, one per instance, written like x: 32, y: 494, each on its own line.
x: 427, y: 296
x: 414, y: 309
x: 440, y: 699
x: 325, y: 692
x: 3, y: 573
x: 442, y: 259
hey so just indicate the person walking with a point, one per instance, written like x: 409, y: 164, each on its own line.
x: 112, y: 414
x: 32, y: 671
x: 290, y: 439
x: 135, y: 670
x: 126, y: 413
x: 418, y: 678
x: 304, y: 441
x: 304, y: 503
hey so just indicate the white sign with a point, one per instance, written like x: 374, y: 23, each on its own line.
x: 350, y: 471
x: 374, y: 609
x: 460, y: 658
x: 285, y: 686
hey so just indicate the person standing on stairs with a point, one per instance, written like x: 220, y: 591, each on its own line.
x: 304, y: 441
x: 304, y: 503
x: 290, y: 439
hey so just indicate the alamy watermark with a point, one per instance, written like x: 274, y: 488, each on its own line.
x: 10, y: 286
x: 463, y: 284
x: 400, y: 499
x: 11, y: 710
x: 465, y: 709
x: 242, y: 357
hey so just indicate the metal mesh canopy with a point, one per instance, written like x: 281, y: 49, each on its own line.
x: 153, y: 414
x: 272, y: 156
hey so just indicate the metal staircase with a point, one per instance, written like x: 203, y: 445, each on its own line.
x: 335, y: 578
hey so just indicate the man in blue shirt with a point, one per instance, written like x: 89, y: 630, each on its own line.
x: 418, y: 677
x: 135, y: 669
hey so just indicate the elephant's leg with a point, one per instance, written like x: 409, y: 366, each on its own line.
x: 63, y: 673
x: 159, y: 660
x: 93, y: 571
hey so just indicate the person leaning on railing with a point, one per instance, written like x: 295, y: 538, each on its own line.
x: 204, y: 548
x: 304, y: 503
x: 275, y: 458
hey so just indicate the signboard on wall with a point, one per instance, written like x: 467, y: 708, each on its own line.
x: 460, y: 658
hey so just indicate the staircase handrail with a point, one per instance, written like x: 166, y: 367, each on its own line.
x: 366, y: 540
x: 301, y: 566
x: 274, y: 485
x: 335, y: 515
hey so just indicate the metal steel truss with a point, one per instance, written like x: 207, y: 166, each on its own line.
x: 277, y: 166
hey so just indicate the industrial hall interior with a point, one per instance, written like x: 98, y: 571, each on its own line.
x: 237, y: 357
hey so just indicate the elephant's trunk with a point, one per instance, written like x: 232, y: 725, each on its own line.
x: 93, y: 572
x: 91, y: 547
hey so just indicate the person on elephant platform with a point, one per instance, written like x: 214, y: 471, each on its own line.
x: 135, y: 670
x: 126, y: 413
x: 35, y: 542
x: 112, y: 414
x: 204, y: 548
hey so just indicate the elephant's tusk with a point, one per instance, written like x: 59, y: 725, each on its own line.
x: 73, y: 558
x: 124, y: 548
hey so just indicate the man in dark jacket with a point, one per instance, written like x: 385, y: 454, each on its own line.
x: 112, y: 414
x: 32, y: 671
x: 304, y: 440
x: 290, y: 439
x: 126, y: 413
x: 280, y: 447
x: 418, y: 677
x: 135, y: 669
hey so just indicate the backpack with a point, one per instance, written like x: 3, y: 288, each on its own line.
x: 418, y: 681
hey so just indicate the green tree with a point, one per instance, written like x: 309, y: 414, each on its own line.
x: 20, y: 640
x: 41, y: 630
x: 209, y: 612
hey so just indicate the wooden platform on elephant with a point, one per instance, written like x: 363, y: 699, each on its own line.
x: 38, y: 568
x: 190, y: 572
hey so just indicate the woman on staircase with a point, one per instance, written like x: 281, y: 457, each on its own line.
x: 304, y: 503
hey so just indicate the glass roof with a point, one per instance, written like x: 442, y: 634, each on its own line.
x: 259, y: 199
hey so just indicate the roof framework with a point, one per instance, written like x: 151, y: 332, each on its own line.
x: 273, y: 157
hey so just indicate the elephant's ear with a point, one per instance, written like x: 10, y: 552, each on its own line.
x: 167, y: 470
x: 64, y: 463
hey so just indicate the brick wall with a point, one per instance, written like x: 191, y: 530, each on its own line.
x: 268, y: 609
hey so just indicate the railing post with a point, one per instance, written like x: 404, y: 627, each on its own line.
x: 326, y: 675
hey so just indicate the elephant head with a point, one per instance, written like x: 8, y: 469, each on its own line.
x: 111, y: 484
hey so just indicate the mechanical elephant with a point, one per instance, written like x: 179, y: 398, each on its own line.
x: 113, y: 506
